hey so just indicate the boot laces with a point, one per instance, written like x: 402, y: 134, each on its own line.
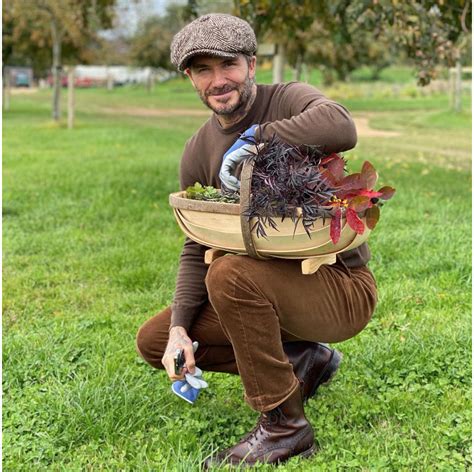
x: 271, y: 418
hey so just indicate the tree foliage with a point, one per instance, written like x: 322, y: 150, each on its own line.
x: 337, y: 45
x: 27, y: 35
x: 430, y: 32
x: 341, y: 35
x: 150, y: 45
x: 279, y: 20
x: 66, y: 27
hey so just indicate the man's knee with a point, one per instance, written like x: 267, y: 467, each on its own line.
x: 229, y: 275
x: 221, y: 275
x: 151, y: 344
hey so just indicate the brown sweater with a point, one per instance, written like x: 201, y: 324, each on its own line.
x: 298, y: 114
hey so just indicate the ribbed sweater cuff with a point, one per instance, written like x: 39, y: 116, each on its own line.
x: 181, y: 317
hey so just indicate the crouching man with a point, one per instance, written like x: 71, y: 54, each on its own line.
x: 260, y: 319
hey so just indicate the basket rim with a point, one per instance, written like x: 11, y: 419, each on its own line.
x: 180, y: 201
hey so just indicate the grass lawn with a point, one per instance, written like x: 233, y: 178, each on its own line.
x: 90, y: 252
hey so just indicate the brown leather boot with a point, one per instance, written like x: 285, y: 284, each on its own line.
x: 281, y: 433
x: 313, y: 363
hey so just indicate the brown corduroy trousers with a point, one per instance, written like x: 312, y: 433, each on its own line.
x: 256, y: 305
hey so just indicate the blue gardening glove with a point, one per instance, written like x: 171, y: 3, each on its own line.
x: 189, y: 388
x: 237, y: 153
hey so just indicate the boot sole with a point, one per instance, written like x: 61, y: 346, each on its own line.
x: 327, y: 374
x: 243, y: 465
x: 309, y: 452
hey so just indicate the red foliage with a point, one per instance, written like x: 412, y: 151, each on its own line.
x: 354, y: 221
x: 372, y: 215
x: 355, y: 193
x: 335, y: 229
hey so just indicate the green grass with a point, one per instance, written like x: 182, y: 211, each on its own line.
x: 91, y: 250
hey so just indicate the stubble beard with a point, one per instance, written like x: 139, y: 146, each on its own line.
x: 245, y: 94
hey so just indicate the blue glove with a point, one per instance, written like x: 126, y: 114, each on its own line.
x: 189, y: 388
x: 237, y: 153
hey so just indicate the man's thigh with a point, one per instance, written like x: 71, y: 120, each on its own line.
x: 331, y: 305
x: 154, y: 333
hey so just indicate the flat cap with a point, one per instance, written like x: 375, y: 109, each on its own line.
x: 216, y: 34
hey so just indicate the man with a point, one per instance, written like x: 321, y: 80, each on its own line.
x: 260, y: 319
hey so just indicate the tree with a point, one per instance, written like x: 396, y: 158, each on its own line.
x: 344, y: 34
x: 431, y: 32
x: 150, y: 46
x: 336, y: 43
x: 279, y: 22
x: 36, y: 26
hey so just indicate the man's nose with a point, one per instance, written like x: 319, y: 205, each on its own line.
x: 218, y: 79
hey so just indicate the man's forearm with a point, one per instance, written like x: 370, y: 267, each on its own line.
x: 191, y: 292
x: 328, y: 125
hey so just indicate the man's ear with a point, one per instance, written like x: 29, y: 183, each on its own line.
x: 252, y: 66
x: 188, y: 73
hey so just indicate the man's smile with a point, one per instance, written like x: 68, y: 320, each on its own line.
x: 222, y: 95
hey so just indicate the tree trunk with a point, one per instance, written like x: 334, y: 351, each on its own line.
x: 6, y: 90
x: 306, y: 73
x: 150, y: 81
x: 279, y: 64
x: 110, y: 80
x: 70, y: 98
x: 342, y: 74
x: 56, y: 36
x: 298, y: 70
x: 458, y: 87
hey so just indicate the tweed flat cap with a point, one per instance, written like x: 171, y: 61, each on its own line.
x: 216, y: 34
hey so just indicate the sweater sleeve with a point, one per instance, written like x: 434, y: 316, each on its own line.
x: 191, y: 292
x: 312, y: 119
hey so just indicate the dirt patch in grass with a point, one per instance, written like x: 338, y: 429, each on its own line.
x: 155, y: 112
x: 365, y: 131
x: 361, y: 122
x: 23, y: 90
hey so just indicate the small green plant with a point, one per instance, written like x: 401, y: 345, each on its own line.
x: 210, y: 194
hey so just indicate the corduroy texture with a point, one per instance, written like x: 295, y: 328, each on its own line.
x: 297, y: 113
x: 215, y: 34
x: 255, y: 306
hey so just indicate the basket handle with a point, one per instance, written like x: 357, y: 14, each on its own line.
x: 245, y: 196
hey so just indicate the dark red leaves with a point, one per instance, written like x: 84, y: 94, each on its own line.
x: 372, y: 216
x: 360, y: 203
x: 386, y: 193
x: 335, y: 229
x: 288, y: 177
x: 368, y: 175
x: 332, y: 168
x: 336, y: 167
x: 329, y: 178
x: 352, y: 182
x: 354, y: 221
x: 369, y: 193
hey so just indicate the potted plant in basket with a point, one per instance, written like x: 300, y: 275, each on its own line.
x: 322, y: 209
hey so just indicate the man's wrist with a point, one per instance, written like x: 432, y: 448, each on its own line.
x: 179, y: 330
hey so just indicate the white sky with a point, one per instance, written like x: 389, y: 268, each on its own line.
x: 131, y: 11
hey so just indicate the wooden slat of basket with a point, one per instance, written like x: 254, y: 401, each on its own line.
x: 245, y: 196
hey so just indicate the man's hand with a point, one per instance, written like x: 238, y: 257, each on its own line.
x: 230, y: 164
x: 178, y: 339
x: 237, y: 153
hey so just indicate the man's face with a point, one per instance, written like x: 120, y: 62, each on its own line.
x: 224, y: 85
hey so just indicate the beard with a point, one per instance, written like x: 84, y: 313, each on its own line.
x: 244, y: 91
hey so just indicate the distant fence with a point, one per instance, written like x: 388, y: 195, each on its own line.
x: 112, y: 76
x: 455, y: 85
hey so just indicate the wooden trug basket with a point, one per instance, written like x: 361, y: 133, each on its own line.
x: 224, y: 228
